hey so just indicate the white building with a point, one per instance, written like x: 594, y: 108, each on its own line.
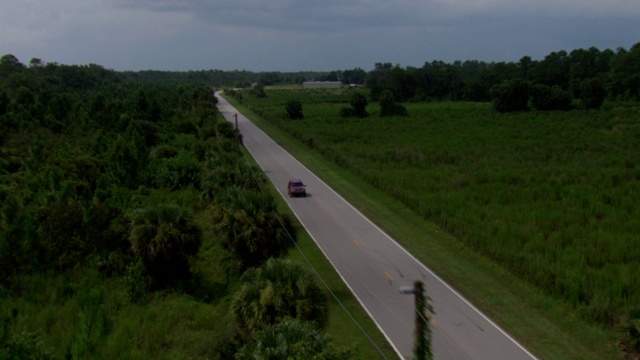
x: 321, y: 84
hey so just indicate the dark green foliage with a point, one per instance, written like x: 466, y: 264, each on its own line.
x: 510, y: 96
x: 258, y: 91
x: 250, y: 227
x: 592, y: 93
x: 80, y: 149
x: 624, y: 78
x: 225, y: 169
x: 18, y: 247
x: 94, y: 321
x: 359, y: 104
x: 178, y: 172
x: 165, y: 237
x: 291, y: 339
x: 26, y: 345
x: 234, y: 94
x: 63, y: 234
x: 354, y: 76
x: 278, y: 290
x: 389, y: 107
x: 149, y: 131
x: 547, y: 98
x: 346, y: 112
x: 294, y: 109
x: 4, y: 102
x: 226, y: 130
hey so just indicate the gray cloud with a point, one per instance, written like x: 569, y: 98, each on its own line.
x: 289, y: 35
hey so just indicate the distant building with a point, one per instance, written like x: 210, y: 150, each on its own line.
x: 321, y: 84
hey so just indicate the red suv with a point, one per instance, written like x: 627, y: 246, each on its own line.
x: 296, y: 187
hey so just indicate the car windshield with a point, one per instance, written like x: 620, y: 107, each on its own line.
x: 297, y: 183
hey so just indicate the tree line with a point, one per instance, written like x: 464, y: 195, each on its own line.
x: 572, y: 73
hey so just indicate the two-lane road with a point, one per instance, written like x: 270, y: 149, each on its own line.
x: 373, y: 265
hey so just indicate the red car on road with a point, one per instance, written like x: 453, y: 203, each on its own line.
x: 296, y: 188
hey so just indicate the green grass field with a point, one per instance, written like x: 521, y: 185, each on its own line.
x: 532, y: 216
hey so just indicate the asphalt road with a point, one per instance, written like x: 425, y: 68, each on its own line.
x: 374, y: 266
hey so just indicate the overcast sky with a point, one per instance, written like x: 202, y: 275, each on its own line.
x: 298, y: 35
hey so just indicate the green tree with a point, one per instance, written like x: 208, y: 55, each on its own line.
x: 291, y: 339
x: 9, y: 64
x: 510, y: 96
x: 4, y: 102
x: 165, y: 237
x: 592, y: 93
x: 388, y: 105
x: 279, y: 289
x: 63, y: 233
x: 624, y: 78
x: 18, y: 252
x: 250, y: 227
x: 223, y: 169
x: 258, y: 91
x: 294, y: 109
x: 359, y: 104
x: 545, y: 97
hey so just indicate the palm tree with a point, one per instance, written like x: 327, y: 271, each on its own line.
x: 165, y: 237
x: 250, y: 227
x: 279, y: 289
x: 291, y: 339
x: 224, y: 168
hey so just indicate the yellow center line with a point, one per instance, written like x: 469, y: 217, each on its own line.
x: 357, y: 243
x: 389, y: 276
x: 336, y: 221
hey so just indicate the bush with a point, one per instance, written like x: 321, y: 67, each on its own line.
x: 347, y: 112
x: 178, y: 172
x: 359, y: 104
x: 294, y: 109
x: 388, y: 106
x: 592, y: 93
x: 510, y: 96
x: 164, y: 238
x: 546, y: 98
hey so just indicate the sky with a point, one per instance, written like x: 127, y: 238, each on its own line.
x: 307, y: 35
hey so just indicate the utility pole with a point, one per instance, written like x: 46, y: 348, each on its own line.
x: 422, y: 349
x: 237, y: 131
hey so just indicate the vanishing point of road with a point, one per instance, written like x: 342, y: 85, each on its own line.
x: 374, y: 266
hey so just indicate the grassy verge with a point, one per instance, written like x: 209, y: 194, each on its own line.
x: 547, y: 327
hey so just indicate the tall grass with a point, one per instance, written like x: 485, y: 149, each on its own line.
x: 551, y: 196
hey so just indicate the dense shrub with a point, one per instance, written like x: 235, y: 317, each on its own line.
x: 510, y: 96
x: 545, y: 97
x: 592, y: 93
x: 178, y: 172
x: 294, y: 109
x: 164, y: 237
x: 359, y: 104
x: 389, y: 107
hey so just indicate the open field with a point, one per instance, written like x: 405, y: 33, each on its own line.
x: 494, y: 203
